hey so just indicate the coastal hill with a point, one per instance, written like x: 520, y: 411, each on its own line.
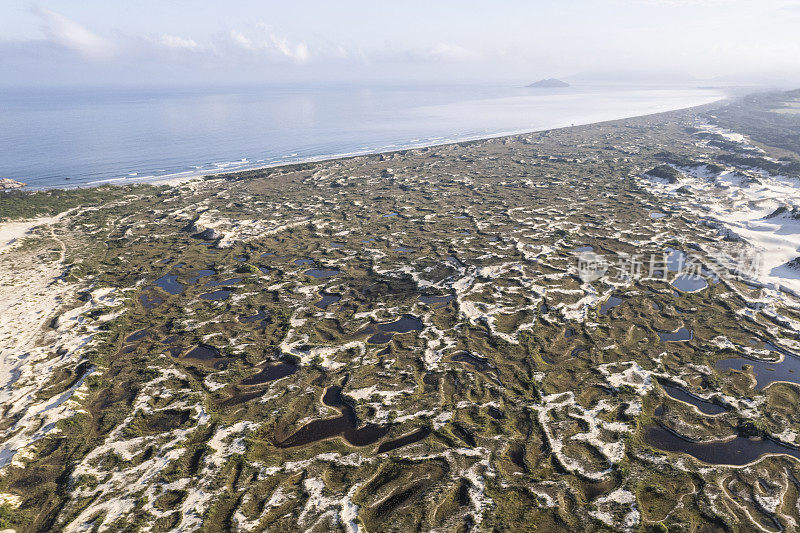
x: 549, y: 83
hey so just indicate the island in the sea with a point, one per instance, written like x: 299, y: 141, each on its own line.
x: 549, y: 83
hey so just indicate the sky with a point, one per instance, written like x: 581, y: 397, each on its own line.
x: 176, y: 42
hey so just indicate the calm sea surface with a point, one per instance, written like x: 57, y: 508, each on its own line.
x: 68, y: 138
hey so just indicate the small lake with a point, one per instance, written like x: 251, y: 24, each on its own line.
x: 271, y: 373
x: 478, y: 363
x: 383, y: 333
x: 345, y: 425
x: 680, y: 335
x: 737, y: 451
x: 328, y: 298
x: 150, y: 300
x: 609, y: 304
x: 689, y: 283
x: 436, y: 301
x: 705, y: 406
x: 224, y: 282
x: 321, y: 273
x: 261, y: 315
x: 200, y: 274
x: 221, y: 294
x: 405, y: 440
x: 170, y: 284
x: 137, y: 335
x: 766, y: 372
x: 203, y: 352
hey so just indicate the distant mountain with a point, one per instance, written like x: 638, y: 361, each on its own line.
x: 549, y: 84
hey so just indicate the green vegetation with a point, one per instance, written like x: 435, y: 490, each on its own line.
x: 518, y: 405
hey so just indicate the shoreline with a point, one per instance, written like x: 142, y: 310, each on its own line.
x: 187, y: 176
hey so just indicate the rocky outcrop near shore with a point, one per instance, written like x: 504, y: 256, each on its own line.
x: 7, y: 184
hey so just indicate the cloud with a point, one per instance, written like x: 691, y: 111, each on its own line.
x: 267, y: 42
x: 68, y: 34
x: 178, y: 43
x: 298, y: 52
x: 450, y: 52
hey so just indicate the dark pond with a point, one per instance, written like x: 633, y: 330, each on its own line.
x: 221, y: 294
x: 737, y: 451
x: 199, y: 275
x: 137, y: 335
x: 345, y: 425
x: 495, y: 413
x: 609, y: 304
x: 383, y: 333
x: 689, y: 283
x: 224, y: 282
x: 577, y: 351
x: 405, y: 440
x: 328, y: 298
x: 170, y: 284
x: 676, y: 260
x: 705, y: 406
x: 388, y: 215
x: 263, y: 269
x: 337, y: 245
x: 271, y: 373
x: 437, y: 301
x: 203, y: 352
x: 321, y: 273
x: 681, y: 334
x: 175, y: 351
x: 583, y: 249
x: 766, y: 372
x: 261, y: 315
x: 172, y: 339
x: 478, y: 363
x: 150, y: 300
x: 402, y: 249
x: 765, y: 345
x: 303, y: 261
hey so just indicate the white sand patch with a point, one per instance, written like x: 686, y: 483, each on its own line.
x: 12, y: 232
x: 32, y: 295
x: 617, y: 510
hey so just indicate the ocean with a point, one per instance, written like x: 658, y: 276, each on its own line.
x: 84, y: 137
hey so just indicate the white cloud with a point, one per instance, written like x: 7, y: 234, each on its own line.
x: 270, y: 43
x: 172, y: 41
x: 242, y: 40
x: 298, y: 52
x: 68, y: 34
x: 450, y: 52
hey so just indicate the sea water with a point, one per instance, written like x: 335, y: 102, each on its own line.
x: 83, y: 137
